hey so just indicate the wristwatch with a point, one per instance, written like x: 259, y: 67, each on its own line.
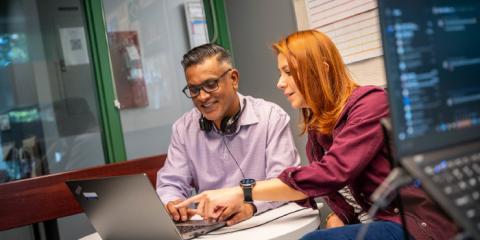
x: 247, y: 185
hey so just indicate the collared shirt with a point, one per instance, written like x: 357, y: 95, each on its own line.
x: 197, y: 160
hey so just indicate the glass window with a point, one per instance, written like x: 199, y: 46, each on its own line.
x: 48, y: 109
x: 48, y: 98
x: 147, y: 40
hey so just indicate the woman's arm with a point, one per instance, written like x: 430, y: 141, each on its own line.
x: 275, y: 190
x: 222, y: 203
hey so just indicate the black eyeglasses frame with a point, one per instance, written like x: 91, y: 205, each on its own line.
x: 188, y: 90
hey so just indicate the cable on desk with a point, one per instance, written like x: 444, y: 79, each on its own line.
x: 261, y: 224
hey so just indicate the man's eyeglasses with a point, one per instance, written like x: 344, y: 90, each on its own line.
x: 207, y: 86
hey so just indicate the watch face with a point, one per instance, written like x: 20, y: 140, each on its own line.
x: 247, y: 182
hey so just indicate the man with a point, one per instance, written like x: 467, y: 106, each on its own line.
x: 227, y: 137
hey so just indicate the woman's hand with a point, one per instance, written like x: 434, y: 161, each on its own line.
x: 216, y: 204
x: 333, y: 221
x: 246, y: 212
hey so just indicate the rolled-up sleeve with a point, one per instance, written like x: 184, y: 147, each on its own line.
x: 280, y: 152
x: 174, y: 179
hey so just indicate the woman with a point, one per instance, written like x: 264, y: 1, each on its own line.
x: 345, y: 148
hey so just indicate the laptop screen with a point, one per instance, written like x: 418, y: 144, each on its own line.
x: 432, y: 60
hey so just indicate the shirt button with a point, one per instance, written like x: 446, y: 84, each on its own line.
x: 397, y: 211
x: 423, y: 224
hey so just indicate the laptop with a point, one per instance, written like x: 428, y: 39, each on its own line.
x: 432, y: 61
x: 127, y: 207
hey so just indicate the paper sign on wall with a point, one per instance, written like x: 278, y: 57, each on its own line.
x: 74, y: 46
x: 196, y: 23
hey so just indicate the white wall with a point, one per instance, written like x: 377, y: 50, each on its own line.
x: 369, y: 72
x: 300, y: 14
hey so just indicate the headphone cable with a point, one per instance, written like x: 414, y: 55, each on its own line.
x: 233, y: 157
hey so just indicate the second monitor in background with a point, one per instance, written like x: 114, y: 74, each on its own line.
x: 432, y: 63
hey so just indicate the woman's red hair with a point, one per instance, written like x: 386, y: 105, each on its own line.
x: 320, y: 75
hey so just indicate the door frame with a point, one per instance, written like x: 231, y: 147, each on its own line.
x: 216, y: 16
x: 112, y: 134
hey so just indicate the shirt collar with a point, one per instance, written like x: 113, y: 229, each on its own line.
x: 248, y: 116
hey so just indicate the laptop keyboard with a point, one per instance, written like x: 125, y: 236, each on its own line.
x: 459, y: 179
x: 187, y: 229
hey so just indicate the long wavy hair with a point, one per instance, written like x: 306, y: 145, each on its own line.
x: 320, y: 75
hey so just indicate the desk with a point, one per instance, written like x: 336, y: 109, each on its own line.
x: 292, y: 226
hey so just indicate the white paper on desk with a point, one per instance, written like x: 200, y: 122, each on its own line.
x: 196, y: 217
x: 74, y: 46
x: 265, y: 217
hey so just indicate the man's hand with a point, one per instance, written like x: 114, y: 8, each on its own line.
x: 333, y: 221
x: 214, y: 203
x: 180, y: 214
x: 246, y: 211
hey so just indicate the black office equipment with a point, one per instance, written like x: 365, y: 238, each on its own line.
x: 432, y: 60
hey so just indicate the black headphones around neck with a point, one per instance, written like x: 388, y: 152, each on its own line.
x: 227, y: 126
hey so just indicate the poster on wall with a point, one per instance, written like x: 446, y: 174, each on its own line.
x: 74, y: 46
x: 196, y: 23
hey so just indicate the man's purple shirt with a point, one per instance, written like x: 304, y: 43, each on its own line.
x: 197, y: 160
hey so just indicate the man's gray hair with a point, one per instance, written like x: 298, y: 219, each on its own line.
x: 201, y: 53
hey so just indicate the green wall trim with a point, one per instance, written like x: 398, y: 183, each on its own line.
x: 111, y: 127
x: 221, y: 20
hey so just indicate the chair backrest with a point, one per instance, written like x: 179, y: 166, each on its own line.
x: 34, y: 200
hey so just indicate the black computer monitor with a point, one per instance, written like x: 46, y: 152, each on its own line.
x: 432, y: 60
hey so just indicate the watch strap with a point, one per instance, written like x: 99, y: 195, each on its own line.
x: 247, y: 194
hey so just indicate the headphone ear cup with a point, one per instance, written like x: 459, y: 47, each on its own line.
x: 224, y: 124
x: 228, y: 125
x: 205, y: 124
